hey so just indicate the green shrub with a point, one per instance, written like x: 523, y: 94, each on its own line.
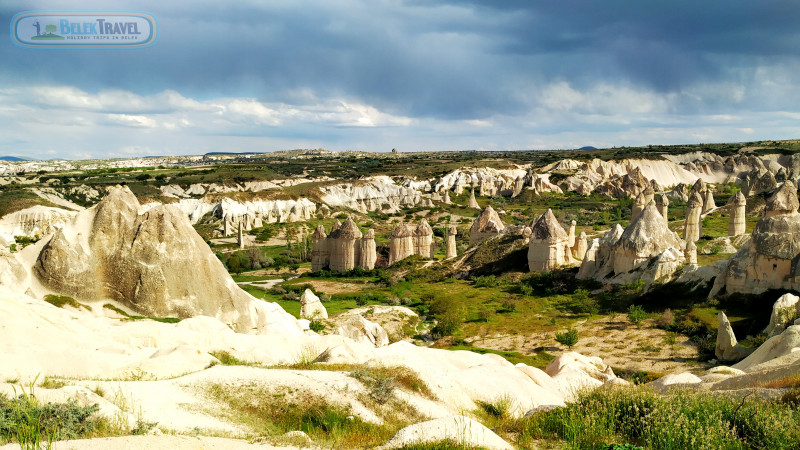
x: 636, y: 315
x: 568, y: 338
x: 36, y: 425
x: 487, y: 281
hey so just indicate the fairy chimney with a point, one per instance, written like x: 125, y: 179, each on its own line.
x: 423, y: 240
x: 692, y: 227
x: 571, y: 234
x: 783, y: 201
x: 581, y: 245
x: 342, y: 246
x: 401, y: 245
x: 708, y: 201
x: 548, y: 244
x: 473, y: 204
x: 487, y: 225
x: 691, y: 252
x: 663, y: 206
x: 240, y: 236
x: 319, y: 251
x: 737, y: 224
x: 450, y: 247
x: 368, y: 253
x: 647, y: 236
x: 447, y: 198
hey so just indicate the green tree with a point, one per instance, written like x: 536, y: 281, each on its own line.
x: 568, y: 338
x: 636, y: 315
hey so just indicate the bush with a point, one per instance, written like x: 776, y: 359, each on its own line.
x: 509, y: 305
x: 568, y: 338
x: 35, y: 425
x: 487, y: 281
x: 666, y: 320
x: 636, y: 315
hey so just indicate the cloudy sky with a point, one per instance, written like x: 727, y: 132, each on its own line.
x: 412, y: 74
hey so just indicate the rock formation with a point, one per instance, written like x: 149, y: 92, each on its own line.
x: 342, y: 246
x: 447, y: 200
x: 708, y: 202
x: 153, y: 262
x: 450, y: 247
x: 311, y: 307
x: 423, y: 240
x: 571, y: 235
x: 548, y: 248
x: 597, y: 262
x: 642, y: 200
x: 485, y: 226
x: 767, y: 260
x: 691, y: 252
x: 582, y: 244
x: 401, y: 245
x: 367, y: 251
x: 694, y: 208
x: 473, y: 204
x: 240, y: 237
x: 319, y: 252
x: 362, y: 330
x: 663, y: 206
x: 646, y: 237
x: 785, y: 310
x: 727, y: 348
x: 34, y: 221
x: 737, y: 224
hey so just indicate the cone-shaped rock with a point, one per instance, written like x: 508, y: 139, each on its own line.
x: 737, y: 223
x: 342, y: 246
x: 727, y: 348
x: 663, y: 206
x: 581, y: 245
x: 571, y: 234
x: 311, y: 307
x: 548, y: 244
x: 708, y: 201
x: 423, y: 240
x: 647, y: 236
x: 783, y: 201
x: 486, y: 225
x: 473, y: 204
x: 692, y: 226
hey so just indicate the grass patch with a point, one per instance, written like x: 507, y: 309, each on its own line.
x: 127, y: 316
x: 684, y: 420
x: 226, y: 359
x: 539, y: 360
x: 60, y: 301
x: 382, y: 380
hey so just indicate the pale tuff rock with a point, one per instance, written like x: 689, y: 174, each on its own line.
x: 319, y: 252
x: 784, y: 311
x: 363, y: 331
x: 629, y: 185
x: 571, y: 234
x: 692, y: 227
x: 249, y: 212
x: 379, y: 193
x: 783, y: 347
x: 646, y: 237
x: 582, y: 244
x: 367, y: 251
x: 738, y: 206
x: 691, y: 252
x: 447, y: 200
x: 401, y: 244
x: 573, y: 372
x: 462, y: 431
x: 663, y: 206
x: 423, y: 240
x: 486, y: 225
x: 675, y: 379
x: 756, y: 183
x: 519, y: 184
x: 342, y: 246
x: 766, y: 261
x: 727, y: 348
x: 240, y: 237
x: 142, y: 261
x: 450, y: 247
x: 708, y: 202
x: 723, y: 245
x: 548, y: 248
x: 526, y: 234
x: 473, y: 204
x: 34, y: 221
x: 311, y: 307
x: 642, y: 200
x: 598, y: 262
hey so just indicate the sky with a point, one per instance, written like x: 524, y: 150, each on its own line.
x: 373, y: 75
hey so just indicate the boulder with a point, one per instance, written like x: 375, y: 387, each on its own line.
x: 311, y: 307
x: 727, y: 348
x: 460, y: 431
x: 153, y: 262
x: 363, y: 331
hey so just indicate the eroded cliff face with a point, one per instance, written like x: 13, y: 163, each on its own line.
x: 150, y: 260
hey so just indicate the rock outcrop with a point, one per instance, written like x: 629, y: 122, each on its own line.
x: 692, y: 227
x: 767, y: 261
x: 461, y: 431
x: 485, y: 226
x: 691, y: 252
x: 785, y: 310
x: 581, y: 245
x: 153, y: 262
x: 363, y: 331
x: 473, y: 204
x: 450, y: 246
x: 646, y: 237
x: 727, y: 348
x: 423, y: 239
x: 344, y: 248
x: 663, y: 206
x: 311, y: 307
x: 34, y: 221
x: 401, y: 244
x: 548, y: 248
x: 737, y: 222
x: 641, y: 201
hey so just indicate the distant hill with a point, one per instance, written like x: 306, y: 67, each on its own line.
x: 13, y: 158
x: 232, y: 153
x: 588, y: 147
